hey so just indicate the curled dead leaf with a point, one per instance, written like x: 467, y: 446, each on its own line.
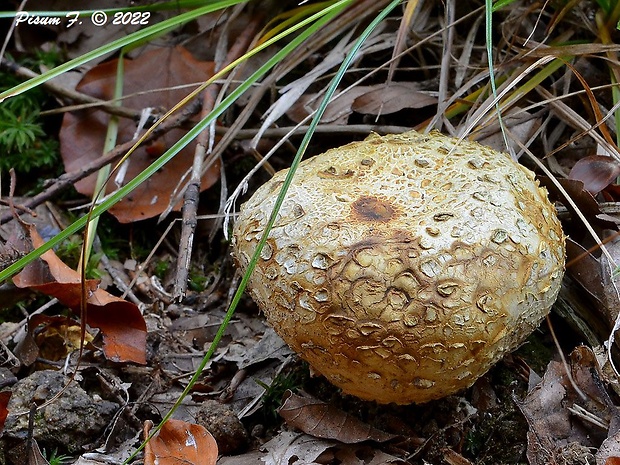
x: 51, y: 337
x: 391, y: 97
x: 596, y: 172
x: 371, y: 100
x: 122, y: 326
x: 179, y: 443
x: 564, y: 420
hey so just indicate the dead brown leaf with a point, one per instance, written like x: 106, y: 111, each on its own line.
x: 180, y: 443
x: 35, y: 457
x: 325, y: 421
x: 596, y: 172
x: 337, y: 112
x: 584, y: 201
x: 83, y: 133
x: 595, y: 277
x: 384, y: 99
x: 290, y: 448
x: 122, y: 326
x: 51, y: 337
x: 370, y: 100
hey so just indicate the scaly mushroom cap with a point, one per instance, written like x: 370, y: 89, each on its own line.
x: 403, y: 267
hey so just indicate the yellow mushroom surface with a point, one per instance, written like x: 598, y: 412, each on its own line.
x: 404, y: 266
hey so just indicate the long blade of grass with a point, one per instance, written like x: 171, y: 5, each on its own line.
x: 489, y: 42
x: 142, y: 34
x: 104, y: 173
x: 291, y: 17
x: 163, y: 6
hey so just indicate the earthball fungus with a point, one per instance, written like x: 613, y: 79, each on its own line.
x: 404, y: 266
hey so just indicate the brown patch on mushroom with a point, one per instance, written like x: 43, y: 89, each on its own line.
x: 367, y: 208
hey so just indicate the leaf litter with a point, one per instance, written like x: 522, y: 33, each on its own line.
x: 121, y: 323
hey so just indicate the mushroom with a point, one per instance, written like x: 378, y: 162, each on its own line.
x: 404, y: 266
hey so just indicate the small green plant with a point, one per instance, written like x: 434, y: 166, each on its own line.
x: 272, y: 398
x: 161, y: 268
x: 197, y: 279
x: 55, y: 459
x: 24, y: 143
x: 69, y: 252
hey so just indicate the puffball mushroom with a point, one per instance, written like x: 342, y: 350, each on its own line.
x: 404, y: 266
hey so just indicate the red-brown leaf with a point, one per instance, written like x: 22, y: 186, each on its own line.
x: 122, y: 326
x: 180, y: 443
x: 57, y: 336
x: 5, y: 396
x: 83, y: 133
x: 121, y: 323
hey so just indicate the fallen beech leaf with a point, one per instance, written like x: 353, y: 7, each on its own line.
x: 370, y: 100
x: 596, y: 172
x: 585, y: 202
x: 521, y: 125
x: 179, y: 443
x: 290, y: 448
x: 594, y: 275
x: 5, y: 396
x: 323, y: 420
x: 122, y: 326
x: 83, y: 132
x: 384, y: 99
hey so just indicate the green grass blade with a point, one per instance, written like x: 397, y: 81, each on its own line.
x: 245, y: 279
x: 498, y: 4
x: 104, y: 173
x: 163, y: 6
x: 489, y: 43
